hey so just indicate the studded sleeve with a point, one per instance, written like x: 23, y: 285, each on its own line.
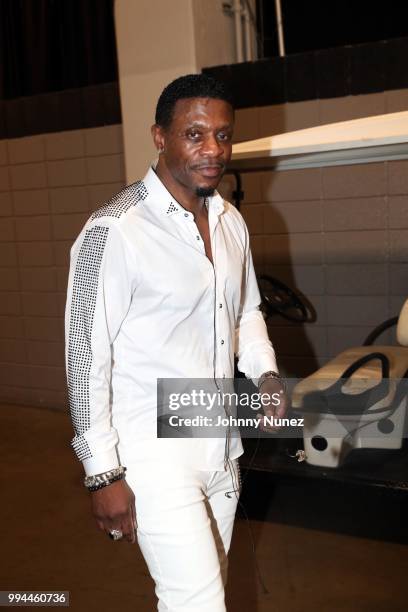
x: 101, y: 282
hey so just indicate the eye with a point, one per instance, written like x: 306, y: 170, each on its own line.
x: 224, y: 136
x: 194, y: 135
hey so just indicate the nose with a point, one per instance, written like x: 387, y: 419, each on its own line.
x: 211, y: 146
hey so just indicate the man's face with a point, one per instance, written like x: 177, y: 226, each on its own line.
x: 197, y: 144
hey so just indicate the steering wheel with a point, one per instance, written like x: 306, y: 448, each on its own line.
x: 278, y: 298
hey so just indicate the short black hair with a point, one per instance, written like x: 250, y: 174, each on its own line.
x: 189, y: 86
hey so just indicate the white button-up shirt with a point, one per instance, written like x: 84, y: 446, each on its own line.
x: 145, y: 302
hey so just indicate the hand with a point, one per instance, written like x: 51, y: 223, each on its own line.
x: 275, y: 403
x: 113, y: 507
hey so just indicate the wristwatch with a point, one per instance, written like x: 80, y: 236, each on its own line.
x: 271, y: 374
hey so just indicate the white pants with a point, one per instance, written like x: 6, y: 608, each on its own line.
x: 185, y: 519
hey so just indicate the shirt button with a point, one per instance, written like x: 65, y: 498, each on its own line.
x: 222, y: 341
x: 220, y: 305
x: 186, y: 214
x: 198, y: 237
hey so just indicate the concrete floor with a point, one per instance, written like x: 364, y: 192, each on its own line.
x: 49, y: 539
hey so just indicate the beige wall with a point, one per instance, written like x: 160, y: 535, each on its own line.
x: 339, y: 235
x: 153, y: 51
x: 214, y: 34
x: 48, y: 187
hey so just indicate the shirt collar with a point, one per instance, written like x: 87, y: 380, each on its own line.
x: 162, y: 198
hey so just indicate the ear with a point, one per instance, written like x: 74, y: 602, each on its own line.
x: 158, y: 137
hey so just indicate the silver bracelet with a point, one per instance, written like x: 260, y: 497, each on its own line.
x: 271, y: 374
x: 105, y: 478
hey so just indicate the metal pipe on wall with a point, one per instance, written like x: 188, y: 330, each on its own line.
x: 238, y: 30
x: 247, y: 33
x: 278, y: 10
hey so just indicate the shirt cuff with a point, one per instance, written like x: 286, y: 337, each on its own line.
x: 264, y: 363
x: 101, y: 463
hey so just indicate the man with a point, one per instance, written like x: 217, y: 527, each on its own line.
x: 162, y: 285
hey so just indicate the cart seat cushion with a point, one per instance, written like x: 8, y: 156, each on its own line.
x: 402, y: 327
x: 365, y: 377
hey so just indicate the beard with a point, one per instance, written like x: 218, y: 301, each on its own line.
x: 204, y: 192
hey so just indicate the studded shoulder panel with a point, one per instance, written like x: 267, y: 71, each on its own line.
x: 122, y: 201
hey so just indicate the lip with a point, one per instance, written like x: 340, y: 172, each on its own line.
x: 210, y: 171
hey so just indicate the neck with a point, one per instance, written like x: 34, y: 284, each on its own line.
x: 189, y: 200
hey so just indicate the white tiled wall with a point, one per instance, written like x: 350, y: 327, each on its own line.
x: 339, y: 235
x: 49, y: 184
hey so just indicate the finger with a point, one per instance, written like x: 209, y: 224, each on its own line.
x: 282, y: 401
x: 264, y: 426
x: 114, y: 523
x: 125, y: 521
x: 281, y: 413
x: 100, y: 525
x: 132, y: 506
x: 128, y: 527
x: 109, y: 524
x: 282, y: 408
x: 268, y: 401
x: 271, y: 409
x: 133, y: 524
